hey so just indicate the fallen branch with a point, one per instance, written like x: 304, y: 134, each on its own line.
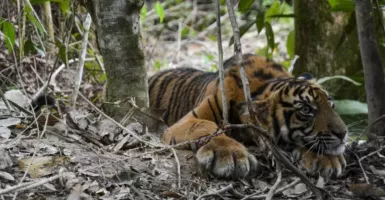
x: 362, y: 169
x: 177, y: 165
x: 257, y: 196
x: 271, y: 192
x: 225, y: 189
x: 31, y: 185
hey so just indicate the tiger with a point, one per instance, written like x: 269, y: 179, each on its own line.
x: 295, y: 111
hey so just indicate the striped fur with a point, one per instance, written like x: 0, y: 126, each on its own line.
x: 179, y: 90
x: 296, y: 111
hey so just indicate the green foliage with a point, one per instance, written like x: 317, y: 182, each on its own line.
x: 341, y: 5
x: 274, y: 9
x: 260, y: 21
x: 62, y: 51
x: 34, y: 19
x: 350, y: 107
x: 63, y: 4
x: 244, y: 5
x: 290, y: 42
x: 269, y: 35
x: 9, y: 33
x: 143, y: 13
x: 159, y: 9
x: 328, y: 78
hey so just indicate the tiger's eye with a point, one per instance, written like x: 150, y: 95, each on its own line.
x: 306, y: 110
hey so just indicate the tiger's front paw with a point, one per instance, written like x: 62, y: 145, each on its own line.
x: 224, y: 157
x: 326, y: 165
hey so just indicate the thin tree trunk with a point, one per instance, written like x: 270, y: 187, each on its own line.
x: 120, y: 44
x: 372, y: 63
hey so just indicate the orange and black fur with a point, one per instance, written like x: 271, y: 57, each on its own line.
x: 296, y: 111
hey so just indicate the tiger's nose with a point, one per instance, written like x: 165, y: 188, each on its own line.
x: 340, y: 134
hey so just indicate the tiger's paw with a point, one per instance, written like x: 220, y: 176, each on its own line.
x: 326, y: 165
x: 226, y: 158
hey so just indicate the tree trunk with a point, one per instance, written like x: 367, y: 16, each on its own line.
x: 372, y: 63
x: 326, y: 43
x: 312, y: 23
x: 121, y: 46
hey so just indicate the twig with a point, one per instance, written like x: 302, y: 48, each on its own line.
x: 370, y: 125
x: 291, y: 68
x: 254, y: 195
x: 362, y: 169
x: 141, y: 196
x: 5, y: 100
x: 80, y: 67
x: 225, y: 189
x: 118, y: 124
x: 30, y: 185
x: 177, y: 165
x: 40, y: 135
x: 220, y: 65
x: 372, y: 153
x: 295, y: 182
x: 238, y: 53
x: 271, y: 192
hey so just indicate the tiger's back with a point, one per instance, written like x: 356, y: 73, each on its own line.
x: 179, y: 90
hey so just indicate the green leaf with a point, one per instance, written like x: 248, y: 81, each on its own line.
x: 143, y: 13
x: 244, y: 5
x: 64, y: 6
x: 242, y: 30
x: 350, y: 107
x: 260, y: 21
x: 31, y: 15
x: 274, y: 9
x: 341, y: 5
x: 269, y: 35
x: 62, y: 51
x: 10, y: 36
x: 328, y: 78
x: 290, y: 44
x: 159, y: 10
x: 102, y: 78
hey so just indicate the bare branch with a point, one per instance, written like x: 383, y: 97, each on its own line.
x: 220, y: 65
x: 238, y: 53
x: 87, y: 24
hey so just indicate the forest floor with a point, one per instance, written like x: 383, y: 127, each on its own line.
x: 87, y: 156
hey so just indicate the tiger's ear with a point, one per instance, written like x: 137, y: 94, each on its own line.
x: 306, y: 76
x: 261, y: 108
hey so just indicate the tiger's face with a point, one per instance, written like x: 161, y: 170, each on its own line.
x: 300, y: 113
x: 304, y: 115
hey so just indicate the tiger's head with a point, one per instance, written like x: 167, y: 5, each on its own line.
x: 300, y: 113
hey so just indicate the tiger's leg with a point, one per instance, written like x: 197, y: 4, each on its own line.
x: 222, y: 156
